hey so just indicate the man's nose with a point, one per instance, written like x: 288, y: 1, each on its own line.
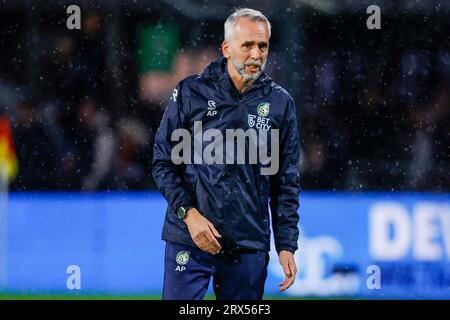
x: 255, y: 54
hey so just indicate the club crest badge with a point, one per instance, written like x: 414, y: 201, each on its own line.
x: 183, y: 257
x: 263, y: 109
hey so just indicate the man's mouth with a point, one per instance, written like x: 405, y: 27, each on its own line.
x: 253, y: 67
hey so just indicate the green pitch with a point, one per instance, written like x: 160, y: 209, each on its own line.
x: 24, y: 296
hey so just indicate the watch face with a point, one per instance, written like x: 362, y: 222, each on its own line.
x: 181, y: 212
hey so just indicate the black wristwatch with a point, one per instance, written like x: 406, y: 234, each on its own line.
x: 182, y: 212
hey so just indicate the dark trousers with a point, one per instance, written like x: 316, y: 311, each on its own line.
x: 239, y: 275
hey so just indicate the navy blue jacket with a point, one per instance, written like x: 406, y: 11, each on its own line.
x: 234, y: 197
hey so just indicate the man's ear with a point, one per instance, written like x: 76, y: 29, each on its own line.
x: 226, y: 49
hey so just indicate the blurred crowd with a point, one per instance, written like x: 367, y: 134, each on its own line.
x: 368, y: 122
x: 382, y: 129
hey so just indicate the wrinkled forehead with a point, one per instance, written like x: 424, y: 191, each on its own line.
x: 248, y: 30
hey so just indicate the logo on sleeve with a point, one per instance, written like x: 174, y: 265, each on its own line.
x: 211, y: 108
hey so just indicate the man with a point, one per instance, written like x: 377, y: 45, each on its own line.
x: 217, y: 221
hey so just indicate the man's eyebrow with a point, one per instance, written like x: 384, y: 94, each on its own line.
x: 261, y: 43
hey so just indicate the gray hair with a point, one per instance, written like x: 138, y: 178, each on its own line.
x: 253, y: 15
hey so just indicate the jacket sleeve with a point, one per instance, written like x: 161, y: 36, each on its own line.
x: 168, y: 176
x: 285, y: 185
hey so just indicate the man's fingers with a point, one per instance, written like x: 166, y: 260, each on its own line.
x: 212, y: 240
x: 286, y: 286
x: 283, y: 284
x: 216, y: 234
x: 286, y: 269
x: 214, y: 230
x: 203, y: 233
x: 208, y: 243
x: 202, y: 242
x: 292, y: 268
x: 286, y: 283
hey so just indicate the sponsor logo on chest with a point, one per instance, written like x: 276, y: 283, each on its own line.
x: 260, y: 121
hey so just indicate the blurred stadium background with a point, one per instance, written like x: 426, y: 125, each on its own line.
x: 79, y: 109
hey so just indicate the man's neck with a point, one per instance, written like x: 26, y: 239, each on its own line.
x: 237, y: 79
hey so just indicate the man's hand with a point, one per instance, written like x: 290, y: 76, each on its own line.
x: 202, y: 232
x: 290, y: 270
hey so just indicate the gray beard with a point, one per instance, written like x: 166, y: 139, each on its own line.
x: 240, y: 68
